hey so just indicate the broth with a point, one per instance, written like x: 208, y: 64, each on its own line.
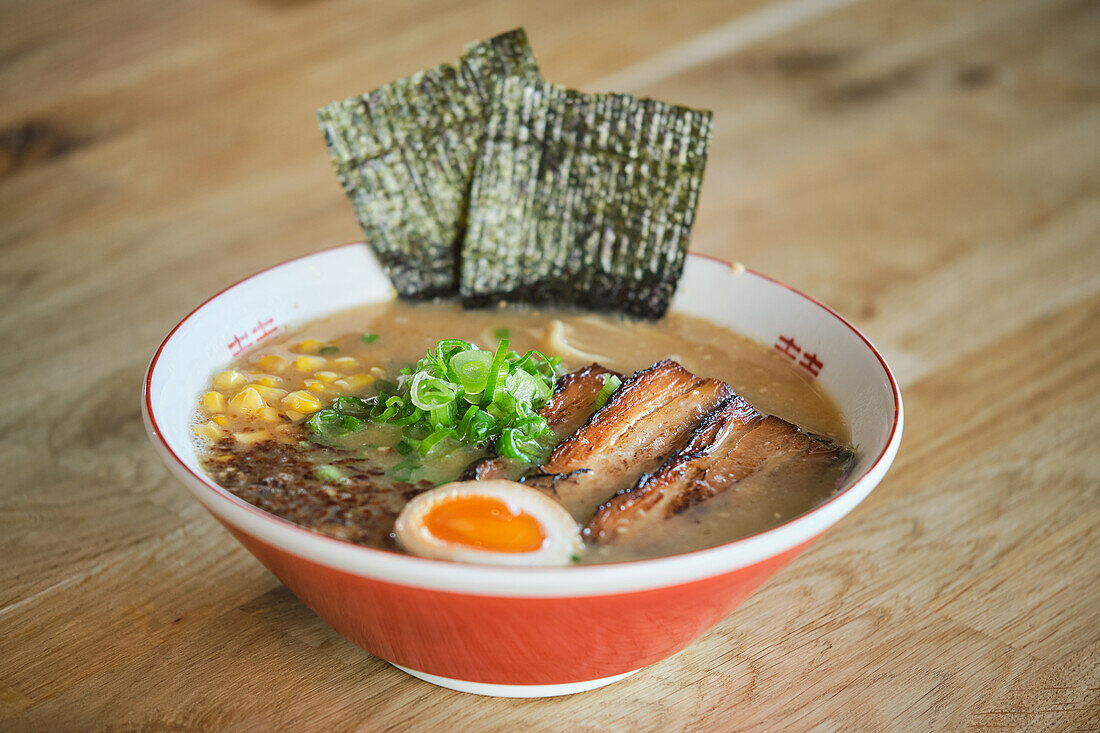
x: 263, y: 452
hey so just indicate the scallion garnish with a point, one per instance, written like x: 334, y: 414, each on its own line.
x: 457, y: 391
x: 369, y: 338
x: 428, y: 392
x: 428, y: 443
x: 345, y: 415
x: 610, y: 384
x: 471, y: 369
x: 329, y: 350
x: 352, y: 407
x: 330, y: 474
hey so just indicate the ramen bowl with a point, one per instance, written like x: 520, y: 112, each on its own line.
x: 514, y: 631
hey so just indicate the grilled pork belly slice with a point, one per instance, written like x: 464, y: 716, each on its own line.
x: 647, y: 419
x: 573, y: 401
x: 734, y: 442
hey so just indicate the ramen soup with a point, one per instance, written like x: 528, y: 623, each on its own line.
x: 646, y: 439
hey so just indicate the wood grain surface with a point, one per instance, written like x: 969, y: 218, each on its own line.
x: 930, y: 169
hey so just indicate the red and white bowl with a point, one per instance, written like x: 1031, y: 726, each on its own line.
x: 518, y: 632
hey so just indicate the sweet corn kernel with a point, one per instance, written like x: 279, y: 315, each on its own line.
x: 254, y: 436
x: 314, y: 386
x: 294, y: 415
x: 228, y: 379
x: 309, y: 363
x: 357, y: 382
x: 270, y: 414
x: 248, y: 401
x: 378, y: 372
x: 270, y: 394
x: 268, y: 380
x: 220, y: 420
x: 214, y: 402
x: 309, y: 346
x: 208, y: 430
x: 302, y: 401
x: 345, y: 362
x: 272, y: 362
x: 326, y: 376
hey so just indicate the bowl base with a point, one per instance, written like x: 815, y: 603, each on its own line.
x: 491, y: 690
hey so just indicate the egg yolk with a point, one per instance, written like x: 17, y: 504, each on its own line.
x: 484, y: 522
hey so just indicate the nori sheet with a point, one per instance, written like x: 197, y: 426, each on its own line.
x: 584, y: 199
x: 405, y: 155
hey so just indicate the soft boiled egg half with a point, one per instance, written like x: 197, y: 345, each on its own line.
x: 494, y: 521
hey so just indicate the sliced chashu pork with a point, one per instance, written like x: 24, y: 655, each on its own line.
x: 733, y: 442
x: 651, y: 415
x: 573, y: 402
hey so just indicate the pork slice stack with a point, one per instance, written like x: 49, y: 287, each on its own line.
x: 648, y: 418
x: 733, y: 442
x: 666, y: 441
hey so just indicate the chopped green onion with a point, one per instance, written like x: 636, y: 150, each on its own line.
x: 610, y: 384
x: 369, y: 338
x: 329, y: 350
x: 406, y: 446
x: 330, y: 473
x: 498, y: 369
x: 428, y: 392
x: 523, y: 387
x: 350, y: 424
x: 428, y: 443
x: 457, y: 393
x: 471, y: 368
x: 521, y: 441
x: 320, y: 422
x: 353, y: 406
x: 411, y: 417
x: 441, y: 417
x: 447, y: 348
x: 345, y: 415
x: 406, y: 470
x: 384, y: 411
x: 480, y: 428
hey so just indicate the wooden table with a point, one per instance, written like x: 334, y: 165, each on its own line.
x: 929, y: 169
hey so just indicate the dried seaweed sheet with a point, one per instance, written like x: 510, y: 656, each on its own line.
x: 405, y: 154
x: 584, y: 199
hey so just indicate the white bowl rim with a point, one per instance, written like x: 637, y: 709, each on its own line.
x: 522, y: 582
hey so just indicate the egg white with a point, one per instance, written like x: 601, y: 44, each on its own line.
x: 563, y: 539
